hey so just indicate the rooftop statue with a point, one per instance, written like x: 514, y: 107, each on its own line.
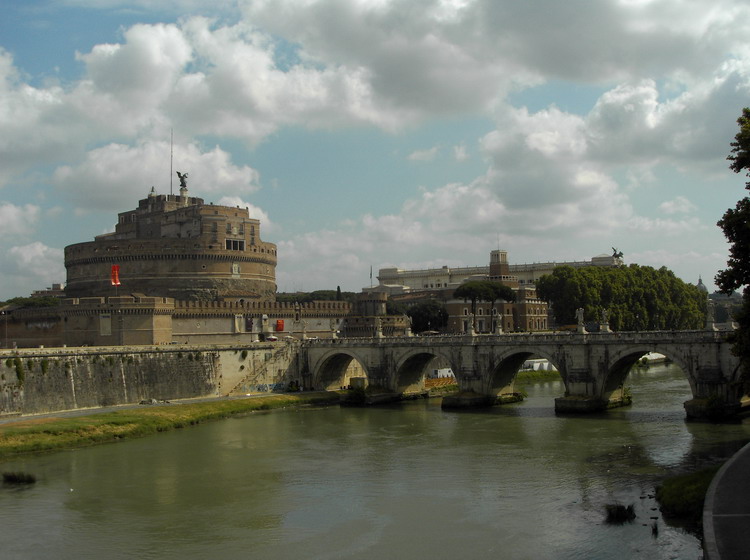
x: 616, y: 254
x: 183, y: 179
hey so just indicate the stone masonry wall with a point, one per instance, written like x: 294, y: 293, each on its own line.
x: 48, y: 380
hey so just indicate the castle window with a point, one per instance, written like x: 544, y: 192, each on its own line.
x: 235, y: 245
x: 229, y: 227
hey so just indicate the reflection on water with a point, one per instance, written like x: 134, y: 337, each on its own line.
x: 405, y: 481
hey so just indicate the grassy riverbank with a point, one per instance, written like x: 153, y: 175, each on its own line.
x: 537, y: 376
x: 33, y: 435
x: 681, y: 496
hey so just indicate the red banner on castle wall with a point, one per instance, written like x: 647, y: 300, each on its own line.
x: 115, y: 275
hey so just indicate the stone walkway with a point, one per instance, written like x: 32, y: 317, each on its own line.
x: 726, y: 512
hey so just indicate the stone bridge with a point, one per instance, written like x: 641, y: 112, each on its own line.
x: 593, y: 367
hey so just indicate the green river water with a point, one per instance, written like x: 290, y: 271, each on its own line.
x: 403, y: 481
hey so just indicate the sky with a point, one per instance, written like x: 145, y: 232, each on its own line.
x: 376, y: 133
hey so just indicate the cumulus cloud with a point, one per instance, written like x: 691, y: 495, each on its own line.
x: 423, y: 155
x: 18, y: 220
x: 678, y: 205
x: 672, y: 78
x: 112, y: 176
x: 31, y: 267
x: 460, y: 153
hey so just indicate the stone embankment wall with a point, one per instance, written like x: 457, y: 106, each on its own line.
x: 48, y: 380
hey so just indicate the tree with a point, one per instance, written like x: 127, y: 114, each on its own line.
x: 484, y: 290
x: 33, y: 302
x: 635, y: 297
x: 428, y: 316
x: 736, y: 226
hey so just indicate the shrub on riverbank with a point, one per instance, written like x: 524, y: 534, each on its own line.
x: 49, y: 434
x: 682, y: 496
x: 537, y: 376
x: 18, y: 478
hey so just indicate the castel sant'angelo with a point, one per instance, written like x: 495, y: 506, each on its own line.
x: 177, y: 246
x: 175, y: 271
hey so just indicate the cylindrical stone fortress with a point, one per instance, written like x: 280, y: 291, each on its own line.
x: 179, y: 247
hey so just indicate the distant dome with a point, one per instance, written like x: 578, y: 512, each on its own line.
x: 701, y: 286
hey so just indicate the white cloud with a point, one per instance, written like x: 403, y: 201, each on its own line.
x: 18, y: 220
x: 678, y: 205
x: 661, y: 226
x: 31, y: 267
x: 460, y: 153
x: 112, y: 176
x: 674, y: 77
x: 423, y: 155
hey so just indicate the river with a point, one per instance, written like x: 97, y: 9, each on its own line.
x: 405, y: 481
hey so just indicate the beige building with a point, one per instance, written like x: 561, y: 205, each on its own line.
x: 397, y: 281
x: 137, y: 320
x: 527, y: 313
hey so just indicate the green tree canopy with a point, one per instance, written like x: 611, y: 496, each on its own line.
x: 484, y: 290
x: 635, y: 297
x: 427, y: 316
x: 736, y: 227
x: 29, y: 302
x: 318, y: 295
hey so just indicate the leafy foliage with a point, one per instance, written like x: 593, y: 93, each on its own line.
x: 635, y: 297
x: 484, y: 290
x: 317, y: 295
x: 32, y: 302
x: 736, y: 226
x: 427, y: 315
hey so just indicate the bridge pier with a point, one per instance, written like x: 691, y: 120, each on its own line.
x: 714, y: 400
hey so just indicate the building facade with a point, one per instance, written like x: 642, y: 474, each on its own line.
x: 526, y: 313
x: 397, y: 281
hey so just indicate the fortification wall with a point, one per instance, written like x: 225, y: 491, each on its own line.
x: 49, y: 380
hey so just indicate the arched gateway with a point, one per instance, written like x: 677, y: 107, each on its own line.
x: 593, y: 367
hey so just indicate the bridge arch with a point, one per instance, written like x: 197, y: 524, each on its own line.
x: 335, y: 368
x: 411, y: 369
x: 508, y: 363
x: 621, y: 363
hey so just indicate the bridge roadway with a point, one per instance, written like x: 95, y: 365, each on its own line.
x: 593, y: 366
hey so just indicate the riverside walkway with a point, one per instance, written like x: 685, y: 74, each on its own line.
x: 726, y: 512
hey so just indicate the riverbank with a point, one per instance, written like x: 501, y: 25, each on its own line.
x: 57, y: 432
x: 35, y: 435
